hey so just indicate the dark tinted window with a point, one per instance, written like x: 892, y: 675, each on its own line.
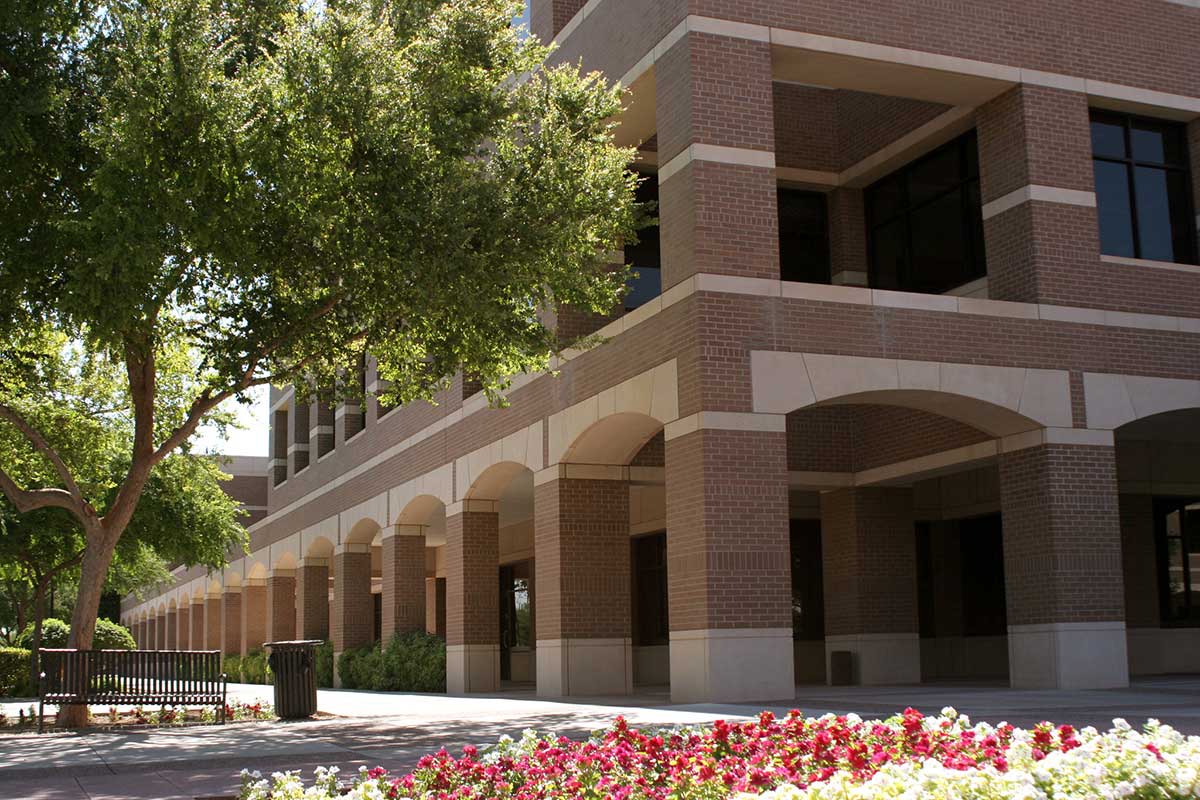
x: 925, y: 222
x: 1143, y: 190
x: 1177, y: 521
x: 649, y: 556
x: 644, y: 255
x: 803, y: 236
x: 808, y: 595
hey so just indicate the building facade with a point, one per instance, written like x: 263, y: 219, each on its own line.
x: 910, y: 372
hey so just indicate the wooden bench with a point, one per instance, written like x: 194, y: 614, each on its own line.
x: 130, y: 678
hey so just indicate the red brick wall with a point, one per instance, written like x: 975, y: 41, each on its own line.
x: 581, y: 546
x: 353, y: 614
x: 254, y: 617
x: 472, y: 578
x: 281, y: 608
x: 869, y: 553
x: 867, y: 123
x: 403, y: 584
x: 727, y: 531
x: 312, y: 602
x: 196, y: 628
x: 212, y: 623
x: 1062, y: 535
x: 231, y: 623
x: 806, y: 127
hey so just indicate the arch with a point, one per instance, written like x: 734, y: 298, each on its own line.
x: 1000, y: 401
x: 172, y: 605
x: 257, y: 572
x: 365, y: 531
x: 285, y: 560
x: 214, y: 586
x: 421, y: 510
x: 615, y: 439
x: 494, y: 480
x: 1116, y: 400
x: 319, y: 547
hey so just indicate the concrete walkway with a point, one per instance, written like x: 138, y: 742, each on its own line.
x: 394, y: 730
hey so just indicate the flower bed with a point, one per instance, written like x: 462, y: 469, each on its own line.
x: 794, y: 758
x: 140, y: 716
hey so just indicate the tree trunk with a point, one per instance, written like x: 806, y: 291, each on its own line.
x: 39, y: 615
x: 92, y: 572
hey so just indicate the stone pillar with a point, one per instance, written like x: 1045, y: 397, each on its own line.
x: 717, y: 191
x: 254, y: 615
x: 1062, y: 565
x: 435, y: 606
x: 403, y: 572
x: 869, y: 555
x: 352, y: 624
x: 312, y: 599
x: 728, y: 563
x: 196, y: 627
x: 231, y: 620
x: 183, y: 619
x: 472, y: 596
x: 212, y: 622
x: 582, y: 580
x: 1038, y: 192
x: 281, y: 605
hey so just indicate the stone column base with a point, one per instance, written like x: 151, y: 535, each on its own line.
x: 1068, y: 655
x: 880, y: 659
x: 582, y: 667
x: 732, y: 665
x: 472, y: 668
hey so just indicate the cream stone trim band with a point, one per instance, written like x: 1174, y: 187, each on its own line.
x: 1151, y: 264
x: 726, y: 421
x: 408, y: 530
x: 600, y: 472
x: 1114, y: 400
x: 1085, y: 437
x: 1042, y: 194
x: 473, y: 507
x: 741, y: 156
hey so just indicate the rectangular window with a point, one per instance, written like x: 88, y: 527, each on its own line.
x: 1178, y: 528
x: 803, y: 236
x: 1143, y: 189
x: 925, y: 222
x: 644, y: 255
x: 649, y: 555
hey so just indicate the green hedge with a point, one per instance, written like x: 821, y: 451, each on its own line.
x: 411, y: 662
x: 109, y: 635
x: 231, y: 665
x: 14, y: 672
x: 325, y: 665
x: 255, y: 669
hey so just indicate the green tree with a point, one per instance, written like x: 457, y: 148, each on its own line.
x: 235, y: 193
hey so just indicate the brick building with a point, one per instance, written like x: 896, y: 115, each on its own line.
x: 911, y: 370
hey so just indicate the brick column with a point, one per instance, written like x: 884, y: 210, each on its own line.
x: 351, y: 624
x: 1038, y: 192
x: 472, y: 596
x: 312, y: 599
x: 281, y: 605
x: 847, y: 238
x: 582, y: 580
x: 403, y: 573
x: 169, y: 628
x: 231, y: 620
x: 142, y: 636
x: 196, y: 626
x: 869, y: 555
x: 1062, y: 566
x: 728, y: 563
x: 547, y: 17
x: 321, y: 429
x: 716, y: 149
x: 183, y: 620
x: 435, y: 606
x: 212, y: 622
x: 254, y: 615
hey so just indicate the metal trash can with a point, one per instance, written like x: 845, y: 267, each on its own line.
x: 294, y: 665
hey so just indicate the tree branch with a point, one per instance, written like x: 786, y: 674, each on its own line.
x: 33, y: 499
x: 42, y: 446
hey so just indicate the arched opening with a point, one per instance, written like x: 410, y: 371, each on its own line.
x: 1158, y: 478
x: 420, y: 527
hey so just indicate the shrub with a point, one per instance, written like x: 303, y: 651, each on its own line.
x: 325, y: 665
x: 231, y: 665
x: 411, y: 662
x: 255, y: 669
x: 14, y: 672
x: 109, y: 635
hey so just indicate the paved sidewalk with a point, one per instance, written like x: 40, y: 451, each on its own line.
x: 394, y: 730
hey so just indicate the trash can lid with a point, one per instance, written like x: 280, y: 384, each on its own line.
x: 296, y: 643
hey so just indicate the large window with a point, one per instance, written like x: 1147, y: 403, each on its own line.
x: 1143, y: 190
x: 644, y: 254
x: 803, y: 236
x: 925, y: 222
x: 1178, y: 522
